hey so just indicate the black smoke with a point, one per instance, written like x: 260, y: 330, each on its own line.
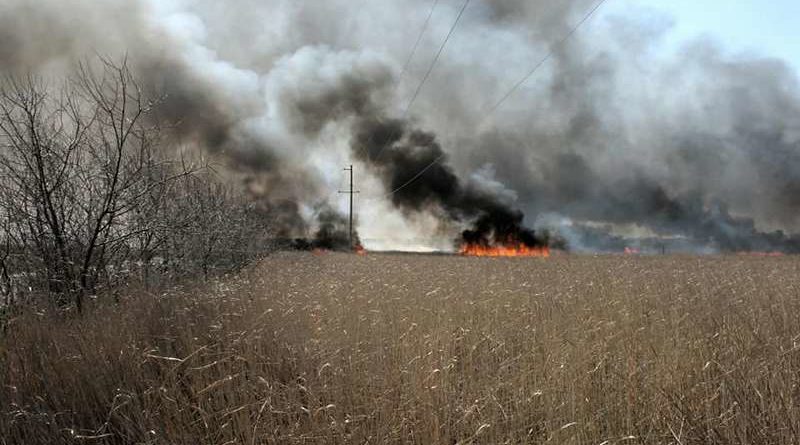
x: 333, y: 232
x: 411, y: 163
x: 612, y: 137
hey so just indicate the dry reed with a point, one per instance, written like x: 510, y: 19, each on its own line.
x: 336, y: 349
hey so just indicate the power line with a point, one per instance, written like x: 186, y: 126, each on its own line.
x: 436, y: 59
x: 516, y: 86
x: 419, y: 39
x: 415, y: 177
x: 546, y: 57
x: 410, y: 57
x: 431, y: 67
x: 421, y: 84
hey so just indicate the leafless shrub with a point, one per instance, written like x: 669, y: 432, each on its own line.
x: 223, y: 230
x: 92, y: 192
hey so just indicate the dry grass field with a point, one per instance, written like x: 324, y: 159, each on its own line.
x: 335, y: 349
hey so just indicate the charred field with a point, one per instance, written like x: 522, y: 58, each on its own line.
x: 430, y: 349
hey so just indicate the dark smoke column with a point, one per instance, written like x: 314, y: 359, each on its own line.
x: 397, y: 153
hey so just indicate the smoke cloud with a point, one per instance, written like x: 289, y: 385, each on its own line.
x: 412, y: 164
x: 613, y: 142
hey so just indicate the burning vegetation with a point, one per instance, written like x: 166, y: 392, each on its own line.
x: 412, y: 164
x: 505, y: 250
x: 263, y: 110
x: 500, y: 233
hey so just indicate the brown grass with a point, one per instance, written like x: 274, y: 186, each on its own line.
x: 331, y: 349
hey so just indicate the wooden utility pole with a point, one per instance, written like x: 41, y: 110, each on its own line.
x: 351, y: 193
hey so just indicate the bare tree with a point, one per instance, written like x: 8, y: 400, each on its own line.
x: 93, y: 194
x: 77, y: 166
x: 6, y: 284
x: 41, y: 137
x: 225, y: 228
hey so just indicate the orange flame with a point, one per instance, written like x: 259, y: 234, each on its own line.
x: 518, y: 250
x: 360, y: 250
x: 632, y: 251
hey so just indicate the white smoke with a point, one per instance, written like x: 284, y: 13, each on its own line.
x: 607, y: 131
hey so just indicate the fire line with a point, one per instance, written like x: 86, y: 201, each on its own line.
x: 504, y: 251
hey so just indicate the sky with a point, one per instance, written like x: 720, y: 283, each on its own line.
x: 767, y: 28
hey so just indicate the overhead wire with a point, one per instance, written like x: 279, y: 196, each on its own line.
x: 436, y: 58
x: 419, y: 39
x: 430, y: 68
x: 506, y: 96
x: 547, y: 57
x: 410, y: 58
x: 414, y: 49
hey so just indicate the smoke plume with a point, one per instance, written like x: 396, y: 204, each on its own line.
x: 614, y: 141
x: 412, y: 164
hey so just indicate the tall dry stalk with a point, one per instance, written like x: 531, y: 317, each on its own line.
x: 414, y: 349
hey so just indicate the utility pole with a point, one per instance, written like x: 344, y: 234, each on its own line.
x: 351, y: 193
